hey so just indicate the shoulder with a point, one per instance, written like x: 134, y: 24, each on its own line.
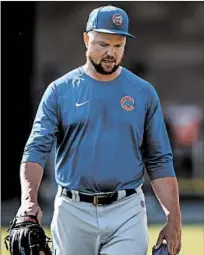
x: 139, y: 83
x: 64, y: 83
x: 72, y: 77
x: 136, y: 80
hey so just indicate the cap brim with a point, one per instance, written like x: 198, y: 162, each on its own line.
x: 113, y: 31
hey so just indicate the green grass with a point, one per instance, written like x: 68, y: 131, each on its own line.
x: 192, y: 239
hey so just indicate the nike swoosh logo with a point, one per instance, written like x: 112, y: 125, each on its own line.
x: 77, y: 104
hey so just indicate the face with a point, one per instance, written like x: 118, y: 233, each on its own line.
x: 105, y: 51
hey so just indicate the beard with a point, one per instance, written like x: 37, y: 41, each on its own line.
x: 99, y: 66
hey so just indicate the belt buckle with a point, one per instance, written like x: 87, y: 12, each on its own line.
x: 95, y: 200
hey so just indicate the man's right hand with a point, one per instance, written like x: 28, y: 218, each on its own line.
x: 30, y: 208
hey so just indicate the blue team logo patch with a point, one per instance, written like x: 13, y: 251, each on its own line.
x: 128, y: 103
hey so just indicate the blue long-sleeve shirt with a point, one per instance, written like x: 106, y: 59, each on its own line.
x: 106, y: 133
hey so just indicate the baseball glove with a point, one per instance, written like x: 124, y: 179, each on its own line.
x: 26, y: 237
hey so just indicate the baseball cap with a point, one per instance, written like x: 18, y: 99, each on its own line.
x: 109, y: 19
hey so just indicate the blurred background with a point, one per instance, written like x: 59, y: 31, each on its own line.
x: 43, y: 40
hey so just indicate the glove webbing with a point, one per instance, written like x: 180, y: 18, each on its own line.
x: 36, y: 248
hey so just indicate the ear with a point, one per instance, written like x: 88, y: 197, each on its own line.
x: 86, y: 39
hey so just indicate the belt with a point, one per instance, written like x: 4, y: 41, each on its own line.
x: 102, y: 199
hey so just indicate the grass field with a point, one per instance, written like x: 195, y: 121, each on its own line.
x: 192, y: 239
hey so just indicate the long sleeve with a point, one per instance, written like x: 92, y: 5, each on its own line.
x: 157, y: 152
x: 44, y: 130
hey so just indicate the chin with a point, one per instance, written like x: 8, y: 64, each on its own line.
x: 108, y: 69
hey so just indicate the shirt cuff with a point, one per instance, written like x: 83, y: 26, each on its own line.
x: 35, y: 158
x: 164, y: 170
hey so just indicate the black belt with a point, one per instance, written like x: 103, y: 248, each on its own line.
x: 103, y: 199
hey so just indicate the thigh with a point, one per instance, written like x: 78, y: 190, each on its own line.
x: 73, y: 228
x: 131, y: 237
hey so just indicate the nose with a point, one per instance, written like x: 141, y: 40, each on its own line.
x: 111, y: 52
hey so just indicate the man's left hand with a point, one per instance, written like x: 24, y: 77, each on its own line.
x: 171, y: 232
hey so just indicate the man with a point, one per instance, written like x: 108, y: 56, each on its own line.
x: 108, y: 126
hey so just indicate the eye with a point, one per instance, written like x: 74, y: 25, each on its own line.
x: 118, y: 45
x: 103, y: 44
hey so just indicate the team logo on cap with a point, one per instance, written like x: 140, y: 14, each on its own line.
x: 128, y: 103
x: 117, y: 19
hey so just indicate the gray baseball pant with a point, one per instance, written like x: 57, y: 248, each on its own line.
x: 80, y: 228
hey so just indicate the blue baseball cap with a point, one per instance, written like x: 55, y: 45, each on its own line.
x: 109, y: 19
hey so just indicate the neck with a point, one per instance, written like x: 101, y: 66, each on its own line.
x: 90, y: 71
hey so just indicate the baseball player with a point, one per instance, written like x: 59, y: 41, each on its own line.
x: 109, y: 128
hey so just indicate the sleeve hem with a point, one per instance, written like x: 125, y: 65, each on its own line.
x: 35, y: 159
x: 154, y: 177
x: 167, y: 170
